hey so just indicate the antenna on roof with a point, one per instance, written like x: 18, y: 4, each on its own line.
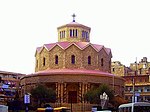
x: 73, y: 17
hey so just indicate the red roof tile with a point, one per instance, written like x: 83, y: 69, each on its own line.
x: 38, y: 49
x: 71, y: 24
x: 72, y: 71
x: 63, y: 45
x: 49, y: 46
x: 80, y: 45
x: 97, y: 47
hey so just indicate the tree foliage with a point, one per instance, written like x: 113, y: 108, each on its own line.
x: 43, y: 94
x: 93, y: 96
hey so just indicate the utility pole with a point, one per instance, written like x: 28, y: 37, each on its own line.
x: 133, y: 81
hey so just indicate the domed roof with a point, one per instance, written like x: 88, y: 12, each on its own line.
x: 74, y: 24
x: 72, y: 71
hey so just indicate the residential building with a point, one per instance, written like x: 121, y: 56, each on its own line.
x: 9, y: 85
x: 137, y: 79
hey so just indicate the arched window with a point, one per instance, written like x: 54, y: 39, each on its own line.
x: 64, y: 34
x: 56, y: 59
x: 70, y: 32
x: 87, y: 36
x: 44, y: 61
x: 60, y: 34
x: 73, y: 32
x: 73, y: 59
x: 89, y: 60
x: 102, y: 62
x: 113, y: 69
x: 76, y: 32
x: 83, y: 34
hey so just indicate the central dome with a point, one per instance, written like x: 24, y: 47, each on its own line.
x: 73, y: 32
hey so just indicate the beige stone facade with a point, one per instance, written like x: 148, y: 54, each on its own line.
x: 118, y: 69
x: 81, y: 56
x: 73, y: 65
x: 140, y: 73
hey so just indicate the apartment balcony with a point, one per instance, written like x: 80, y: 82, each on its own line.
x: 130, y: 93
x: 138, y: 84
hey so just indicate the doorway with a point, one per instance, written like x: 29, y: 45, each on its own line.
x: 72, y: 97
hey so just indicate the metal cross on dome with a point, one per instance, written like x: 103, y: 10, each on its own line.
x: 73, y: 17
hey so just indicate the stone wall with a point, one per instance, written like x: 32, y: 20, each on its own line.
x: 81, y: 58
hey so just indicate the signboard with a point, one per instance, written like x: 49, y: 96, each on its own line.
x: 137, y: 94
x: 94, y: 109
x: 26, y: 99
x: 5, y: 86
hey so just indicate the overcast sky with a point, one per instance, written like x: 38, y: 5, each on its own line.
x: 122, y: 25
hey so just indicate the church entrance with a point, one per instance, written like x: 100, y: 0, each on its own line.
x: 72, y: 97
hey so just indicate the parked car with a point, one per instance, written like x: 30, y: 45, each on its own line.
x: 3, y: 108
x: 104, y: 111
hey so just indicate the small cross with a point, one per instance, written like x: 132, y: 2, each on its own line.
x: 73, y: 17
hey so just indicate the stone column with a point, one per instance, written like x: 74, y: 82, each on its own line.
x: 83, y: 92
x: 80, y: 92
x: 65, y: 93
x: 61, y: 92
x: 57, y: 93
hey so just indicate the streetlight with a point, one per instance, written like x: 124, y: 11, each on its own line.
x: 104, y: 97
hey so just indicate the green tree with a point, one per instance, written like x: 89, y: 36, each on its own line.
x: 93, y: 96
x: 43, y: 94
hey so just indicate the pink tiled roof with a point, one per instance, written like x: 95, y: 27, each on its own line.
x: 49, y: 46
x: 108, y: 50
x: 72, y: 71
x: 63, y: 45
x: 80, y: 45
x: 97, y: 47
x: 74, y: 24
x: 38, y: 49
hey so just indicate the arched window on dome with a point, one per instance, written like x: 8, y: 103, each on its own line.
x: 56, y: 59
x: 44, y: 61
x: 73, y: 32
x: 60, y: 34
x: 89, y: 60
x: 82, y: 33
x: 64, y: 33
x: 102, y: 62
x: 72, y: 59
x: 87, y: 36
x: 70, y: 32
x: 76, y: 33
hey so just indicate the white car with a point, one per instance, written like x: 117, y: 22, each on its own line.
x: 3, y: 108
x: 104, y: 111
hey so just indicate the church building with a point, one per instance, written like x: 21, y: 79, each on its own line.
x: 73, y: 65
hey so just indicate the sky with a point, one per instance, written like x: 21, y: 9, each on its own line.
x: 122, y: 25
